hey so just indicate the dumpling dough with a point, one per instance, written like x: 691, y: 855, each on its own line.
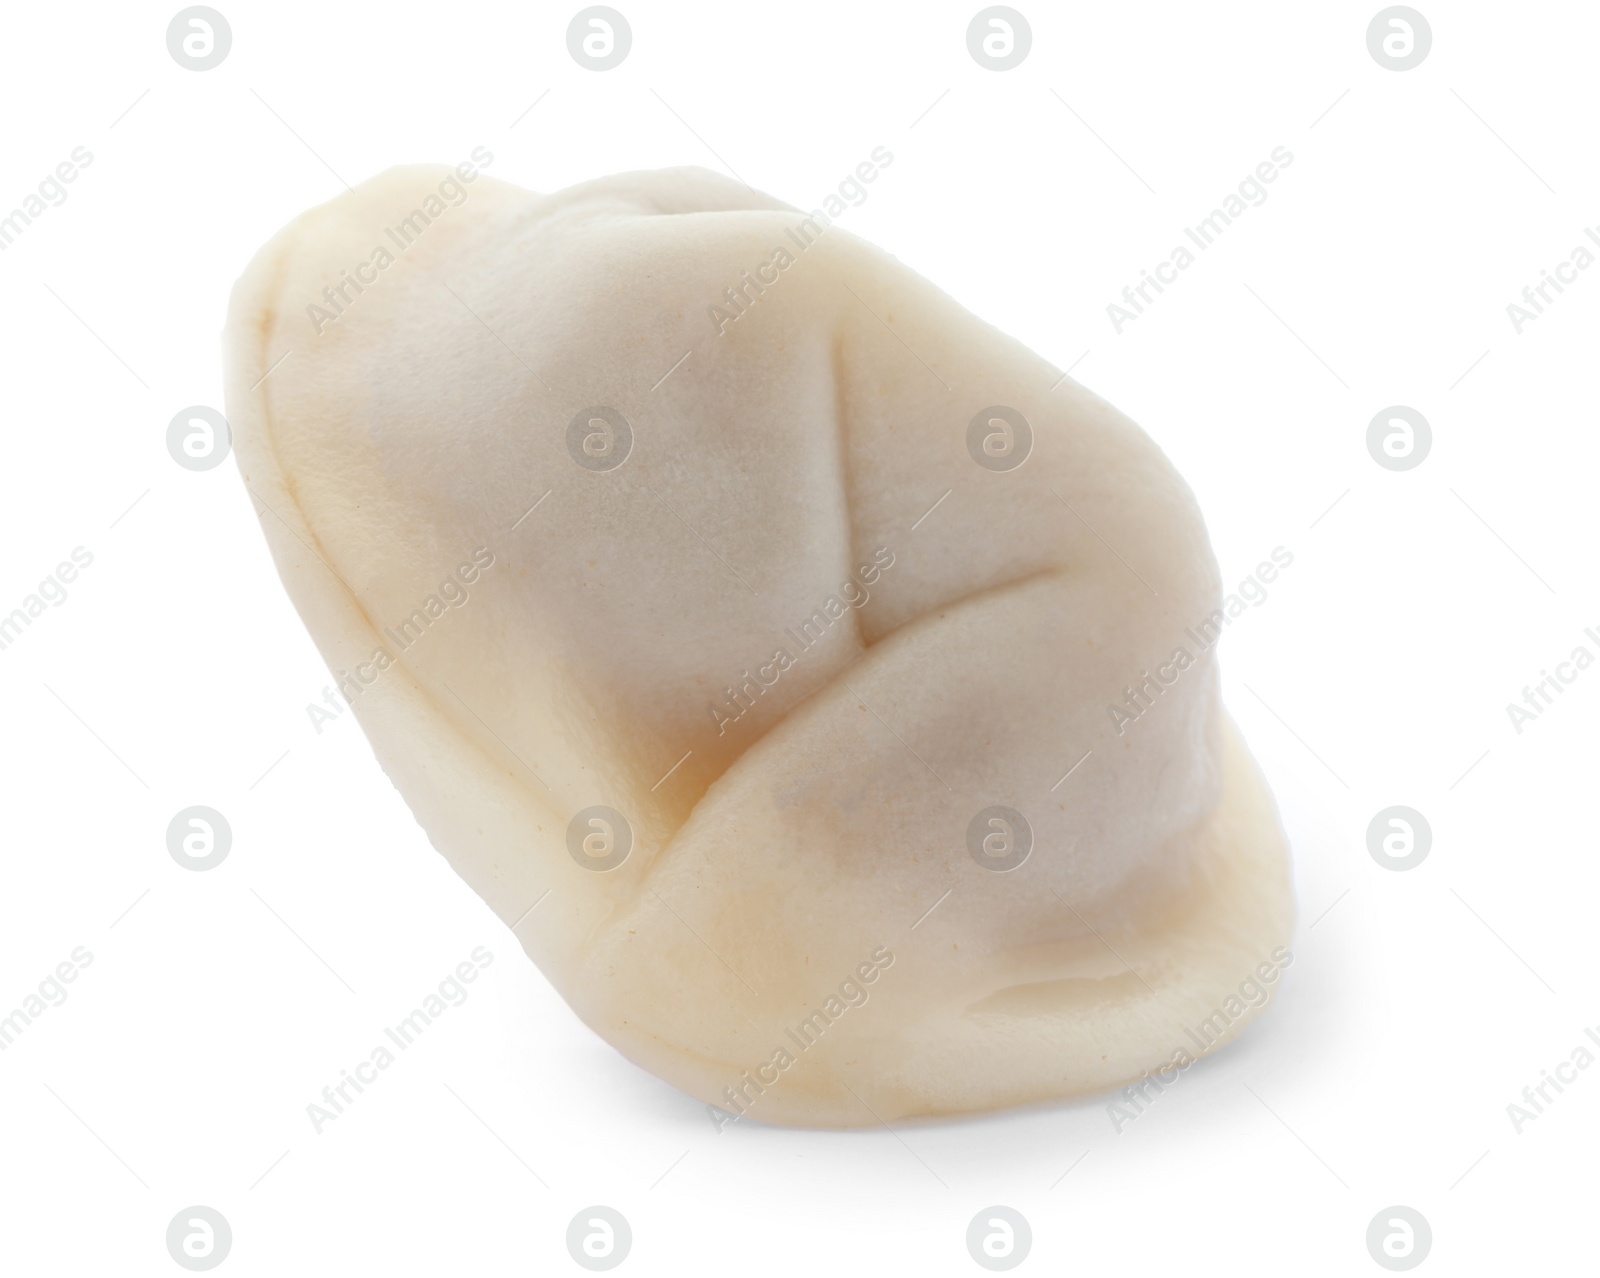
x: 814, y: 923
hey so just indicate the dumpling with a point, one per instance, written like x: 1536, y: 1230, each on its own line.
x: 831, y: 674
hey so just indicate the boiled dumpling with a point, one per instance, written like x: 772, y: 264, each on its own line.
x: 806, y: 649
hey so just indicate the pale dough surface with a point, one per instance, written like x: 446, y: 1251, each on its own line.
x: 788, y: 846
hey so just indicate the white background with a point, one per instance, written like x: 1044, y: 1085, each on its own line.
x: 219, y: 1004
